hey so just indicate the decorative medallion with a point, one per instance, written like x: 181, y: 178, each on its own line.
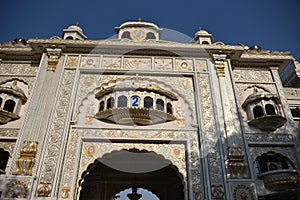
x: 201, y: 65
x: 138, y: 35
x: 197, y: 194
x: 243, y: 192
x: 163, y: 64
x: 88, y: 81
x: 65, y: 192
x: 91, y: 150
x: 184, y: 65
x: 177, y: 152
x: 44, y: 189
x: 217, y: 192
x: 90, y: 62
x: 185, y: 83
x: 72, y: 61
x: 16, y: 189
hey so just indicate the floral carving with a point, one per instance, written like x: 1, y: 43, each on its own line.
x: 209, y: 130
x: 252, y: 75
x: 57, y: 128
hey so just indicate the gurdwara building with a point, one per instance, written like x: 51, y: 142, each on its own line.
x: 139, y: 117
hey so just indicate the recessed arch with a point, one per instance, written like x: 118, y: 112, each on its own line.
x: 102, y: 179
x: 9, y: 105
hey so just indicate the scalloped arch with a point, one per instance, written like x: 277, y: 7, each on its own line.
x: 83, y: 173
x: 118, y: 79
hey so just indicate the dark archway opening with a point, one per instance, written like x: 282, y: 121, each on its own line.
x: 118, y: 171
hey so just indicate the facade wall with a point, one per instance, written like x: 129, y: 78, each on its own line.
x: 210, y: 143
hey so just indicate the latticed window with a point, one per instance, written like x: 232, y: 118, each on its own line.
x: 258, y: 111
x: 169, y: 108
x: 110, y: 103
x: 9, y: 105
x: 148, y: 102
x: 122, y: 101
x: 101, y: 106
x: 270, y: 109
x: 160, y: 104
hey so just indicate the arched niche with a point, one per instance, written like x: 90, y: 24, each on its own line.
x: 123, y: 169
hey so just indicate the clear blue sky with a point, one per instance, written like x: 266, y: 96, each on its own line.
x: 271, y: 24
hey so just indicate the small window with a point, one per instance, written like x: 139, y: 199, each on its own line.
x: 150, y: 36
x: 122, y: 101
x: 9, y: 105
x: 4, y: 156
x: 273, y: 161
x: 135, y: 101
x: 1, y: 101
x: 169, y: 108
x: 110, y: 103
x: 69, y: 38
x: 126, y: 34
x: 101, y: 107
x: 148, y: 102
x: 258, y: 111
x: 270, y: 109
x: 160, y: 104
x: 205, y: 42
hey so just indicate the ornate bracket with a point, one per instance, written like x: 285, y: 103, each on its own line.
x: 236, y: 164
x: 26, y: 160
x: 220, y: 60
x: 53, y: 58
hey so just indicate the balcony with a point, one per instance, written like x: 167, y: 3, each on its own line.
x: 281, y: 179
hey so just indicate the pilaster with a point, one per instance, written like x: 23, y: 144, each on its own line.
x: 235, y: 162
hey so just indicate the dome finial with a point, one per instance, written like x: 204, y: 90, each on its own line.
x: 140, y: 19
x: 77, y: 24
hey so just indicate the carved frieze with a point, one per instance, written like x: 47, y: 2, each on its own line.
x: 57, y: 128
x: 252, y: 75
x: 90, y: 61
x: 111, y: 62
x: 209, y: 130
x: 163, y: 63
x: 268, y: 137
x: 9, y: 133
x: 137, y: 63
x: 19, y: 68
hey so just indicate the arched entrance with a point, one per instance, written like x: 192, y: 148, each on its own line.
x: 120, y: 170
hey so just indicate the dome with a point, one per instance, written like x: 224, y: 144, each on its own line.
x: 75, y: 27
x: 137, y: 24
x: 202, y: 32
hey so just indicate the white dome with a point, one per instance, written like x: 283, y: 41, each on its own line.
x: 75, y: 27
